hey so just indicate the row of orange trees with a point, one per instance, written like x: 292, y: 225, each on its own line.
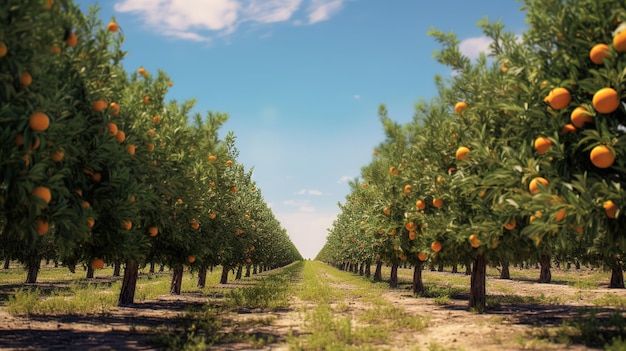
x: 520, y: 157
x: 96, y: 167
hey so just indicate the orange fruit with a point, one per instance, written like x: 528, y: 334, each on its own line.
x: 363, y: 185
x: 619, y: 41
x: 48, y: 4
x: 55, y: 49
x: 38, y: 121
x: 435, y: 246
x: 568, y: 128
x: 85, y: 204
x: 114, y: 107
x: 438, y: 203
x: 146, y: 100
x: 248, y: 260
x: 542, y: 145
x: 598, y: 52
x: 191, y: 259
x: 459, y: 107
x: 606, y: 100
x: 212, y: 158
x: 25, y: 79
x: 99, y: 105
x: 142, y: 71
x: 43, y: 193
x: 407, y: 189
x: 150, y: 147
x: 610, y: 208
x: 510, y: 225
x: 421, y: 205
x: 170, y: 84
x: 462, y: 153
x: 393, y: 170
x: 503, y: 67
x: 131, y: 149
x: 233, y: 189
x: 3, y: 49
x: 97, y: 263
x: 133, y: 199
x: 421, y: 256
x: 156, y: 119
x: 212, y: 215
x: 474, y: 241
x: 194, y: 224
x: 560, y: 215
x: 412, y: 235
x: 482, y: 193
x: 580, y: 116
x: 386, y: 211
x: 42, y: 226
x: 71, y: 40
x: 559, y: 98
x: 96, y: 177
x: 113, y: 130
x: 410, y: 226
x: 229, y: 163
x: 127, y: 225
x: 602, y: 156
x: 57, y: 156
x: 151, y: 132
x: 153, y: 231
x: 91, y: 222
x: 534, y: 188
x: 113, y: 27
x: 440, y: 180
x: 120, y: 136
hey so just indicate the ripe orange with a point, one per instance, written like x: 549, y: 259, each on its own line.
x: 43, y: 193
x: 99, y: 105
x: 42, y: 226
x: 510, y: 225
x: 560, y: 215
x: 459, y: 107
x: 112, y: 128
x: 38, y: 121
x: 85, y: 204
x: 55, y: 49
x: 421, y: 256
x: 143, y: 72
x: 407, y: 188
x: 114, y: 107
x: 48, y: 4
x: 156, y: 119
x: 386, y: 211
x: 436, y: 246
x: 580, y: 116
x: 568, y: 128
x: 212, y: 158
x: 606, y: 100
x: 363, y: 185
x: 191, y: 259
x: 25, y: 79
x: 120, y: 136
x: 558, y: 98
x: 131, y: 149
x: 482, y: 193
x: 113, y: 27
x: 133, y: 199
x: 146, y: 99
x: 96, y: 177
x: 542, y: 145
x: 421, y: 205
x: 71, y: 40
x: 194, y: 224
x: 438, y: 203
x: 393, y: 170
x: 440, y: 180
x: 91, y: 222
x: 127, y: 225
x: 3, y: 49
x: 462, y: 153
x: 474, y: 241
x: 153, y: 231
x: 598, y: 52
x: 151, y: 132
x: 534, y: 188
x: 410, y: 226
x: 151, y: 147
x: 412, y: 235
x: 619, y: 41
x: 97, y: 263
x: 229, y: 163
x: 602, y: 156
x: 57, y: 156
x: 248, y: 260
x: 610, y: 208
x: 233, y: 189
x: 170, y: 84
x: 212, y: 215
x: 503, y: 67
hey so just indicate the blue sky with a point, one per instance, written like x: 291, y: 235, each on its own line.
x: 302, y: 81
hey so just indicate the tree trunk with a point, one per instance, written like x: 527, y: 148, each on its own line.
x: 7, y: 262
x: 33, y: 269
x: 177, y: 280
x: 418, y: 285
x: 89, y: 272
x: 478, y: 298
x: 202, y: 277
x: 545, y: 276
x: 117, y: 267
x: 378, y: 273
x: 239, y: 272
x: 224, y: 278
x: 129, y: 283
x: 393, y: 279
x: 368, y: 269
x: 151, y: 267
x: 455, y: 268
x: 162, y: 268
x: 505, y: 273
x: 254, y: 269
x: 247, y: 271
x: 440, y: 267
x: 617, y: 277
x: 468, y: 269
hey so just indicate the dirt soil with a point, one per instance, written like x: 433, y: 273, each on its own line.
x: 450, y: 326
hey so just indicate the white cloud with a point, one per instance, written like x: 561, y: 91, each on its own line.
x: 357, y: 97
x: 303, y: 206
x: 200, y: 20
x: 309, y: 192
x: 472, y: 47
x: 322, y: 10
x: 308, y: 231
x: 345, y: 179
